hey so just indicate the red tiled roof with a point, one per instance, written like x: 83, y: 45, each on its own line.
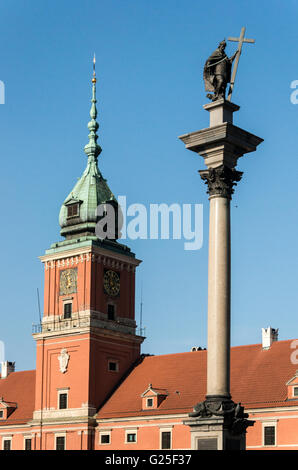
x: 19, y: 387
x: 258, y: 379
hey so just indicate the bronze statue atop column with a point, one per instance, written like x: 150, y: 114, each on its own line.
x: 217, y: 72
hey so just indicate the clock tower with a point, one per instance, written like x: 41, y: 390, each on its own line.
x: 87, y: 339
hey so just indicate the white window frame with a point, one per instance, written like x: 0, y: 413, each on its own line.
x: 293, y: 393
x: 60, y: 392
x: 150, y: 406
x: 27, y: 436
x: 267, y: 424
x: 67, y: 302
x: 60, y: 434
x: 165, y: 429
x: 7, y: 438
x: 105, y: 433
x: 131, y: 431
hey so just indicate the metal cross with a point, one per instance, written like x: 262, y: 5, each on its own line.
x: 240, y: 41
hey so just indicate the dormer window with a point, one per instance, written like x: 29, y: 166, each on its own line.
x: 153, y: 397
x: 73, y: 210
x: 292, y: 386
x: 6, y: 408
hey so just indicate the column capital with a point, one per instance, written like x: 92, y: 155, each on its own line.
x: 220, y: 180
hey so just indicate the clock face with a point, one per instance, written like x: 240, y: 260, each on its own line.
x: 111, y: 283
x: 68, y: 281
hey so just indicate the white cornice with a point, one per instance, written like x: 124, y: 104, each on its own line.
x: 130, y: 426
x: 90, y: 250
x: 142, y: 418
x: 185, y: 415
x: 272, y: 410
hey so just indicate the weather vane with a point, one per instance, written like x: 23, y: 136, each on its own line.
x: 218, y: 67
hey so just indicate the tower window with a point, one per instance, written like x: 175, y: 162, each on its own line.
x: 62, y: 401
x: 73, y: 210
x: 113, y: 366
x: 111, y: 312
x: 67, y: 310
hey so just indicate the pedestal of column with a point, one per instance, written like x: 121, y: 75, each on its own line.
x: 218, y: 422
x: 219, y: 432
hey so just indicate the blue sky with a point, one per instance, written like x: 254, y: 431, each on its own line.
x: 150, y: 56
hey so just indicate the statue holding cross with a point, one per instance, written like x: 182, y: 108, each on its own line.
x: 218, y: 68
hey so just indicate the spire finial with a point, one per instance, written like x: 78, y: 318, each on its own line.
x: 92, y: 149
x: 94, y: 73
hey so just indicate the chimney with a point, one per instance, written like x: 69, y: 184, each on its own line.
x: 6, y: 368
x: 268, y: 336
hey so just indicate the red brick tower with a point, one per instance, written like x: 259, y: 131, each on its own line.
x: 87, y: 339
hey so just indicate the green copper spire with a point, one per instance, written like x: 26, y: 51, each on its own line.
x: 77, y: 216
x: 92, y: 149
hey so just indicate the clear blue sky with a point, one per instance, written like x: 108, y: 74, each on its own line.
x: 150, y: 56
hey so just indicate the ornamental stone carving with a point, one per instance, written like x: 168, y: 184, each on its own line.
x: 221, y: 180
x: 233, y: 414
x: 63, y: 360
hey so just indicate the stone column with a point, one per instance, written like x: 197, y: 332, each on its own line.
x: 218, y: 422
x: 220, y: 183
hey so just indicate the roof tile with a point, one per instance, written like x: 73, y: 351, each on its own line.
x: 258, y: 379
x: 19, y: 387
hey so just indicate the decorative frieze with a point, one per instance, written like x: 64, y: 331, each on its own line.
x: 94, y: 258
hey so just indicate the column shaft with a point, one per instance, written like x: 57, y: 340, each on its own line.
x: 219, y: 284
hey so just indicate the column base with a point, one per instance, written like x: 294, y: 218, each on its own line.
x: 218, y: 424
